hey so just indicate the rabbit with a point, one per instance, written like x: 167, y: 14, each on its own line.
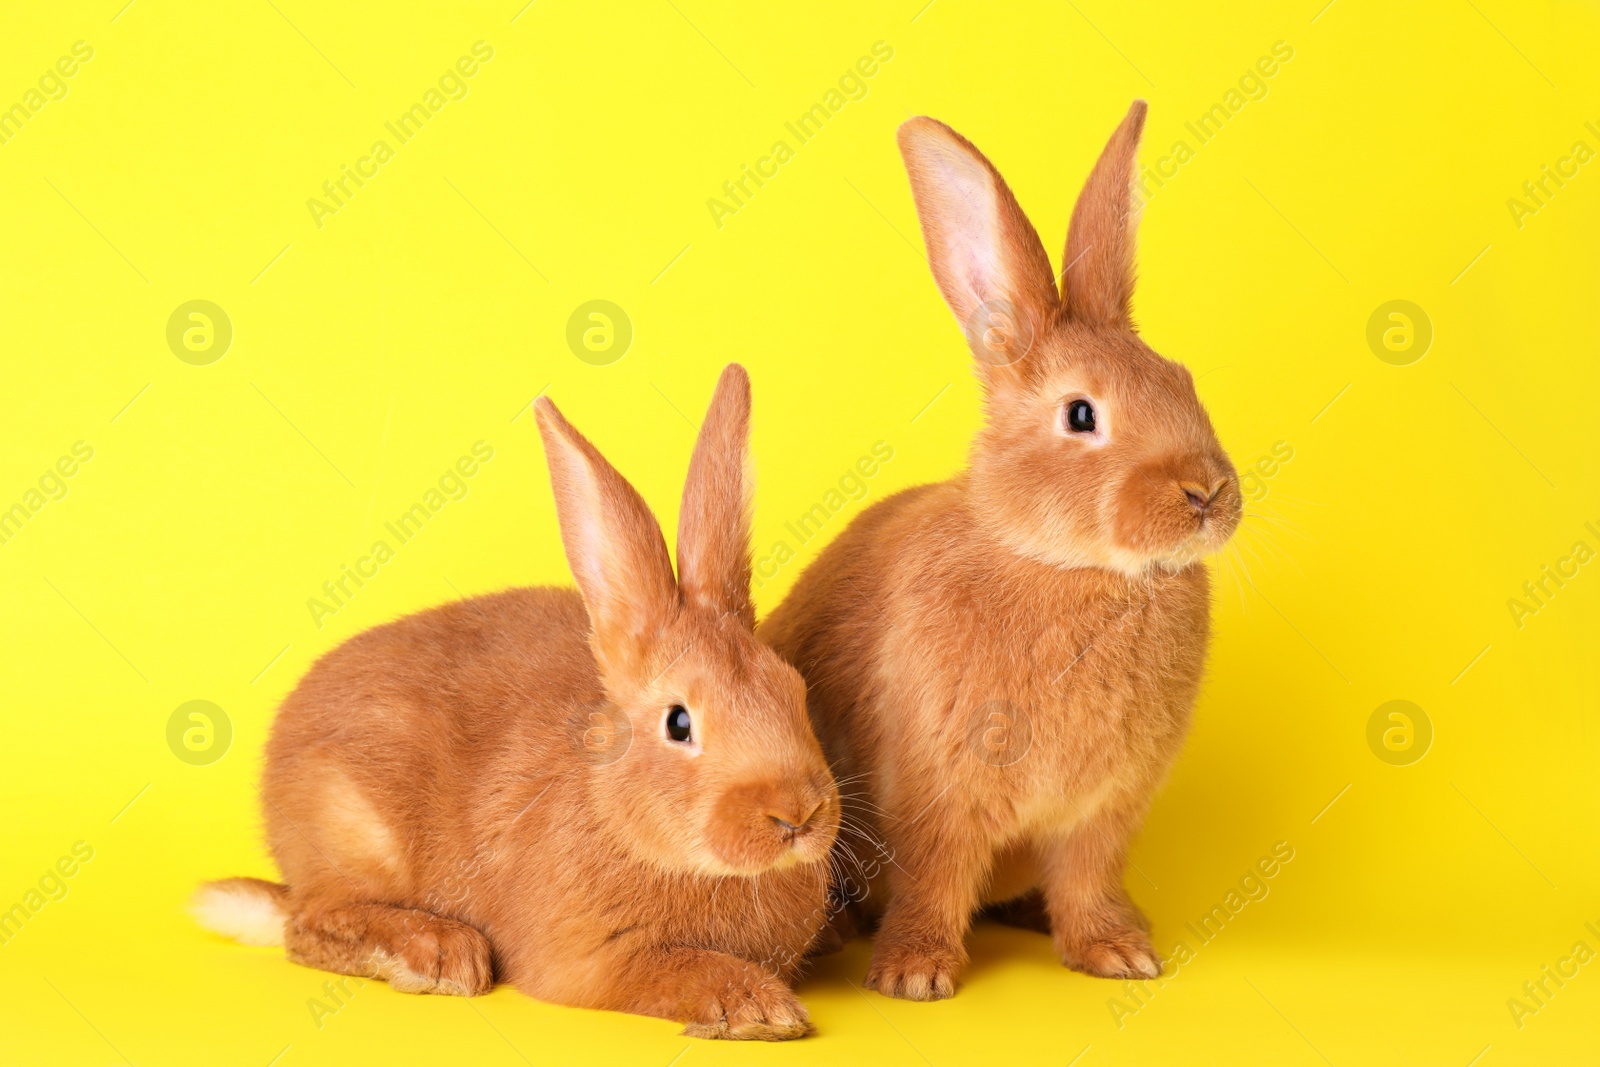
x: 609, y: 797
x: 1002, y: 667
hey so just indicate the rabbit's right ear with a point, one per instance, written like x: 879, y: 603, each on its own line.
x: 985, y: 254
x: 613, y: 542
x: 714, y: 523
x: 1097, y: 279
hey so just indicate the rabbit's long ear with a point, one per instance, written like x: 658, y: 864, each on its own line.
x: 984, y: 252
x: 1097, y: 274
x: 714, y: 525
x: 613, y: 544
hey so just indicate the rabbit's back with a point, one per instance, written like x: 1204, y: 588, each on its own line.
x: 406, y: 749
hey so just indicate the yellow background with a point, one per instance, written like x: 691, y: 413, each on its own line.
x: 370, y: 353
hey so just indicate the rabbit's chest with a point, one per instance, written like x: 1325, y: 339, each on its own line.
x: 1074, y: 708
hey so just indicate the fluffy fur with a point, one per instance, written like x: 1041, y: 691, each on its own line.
x: 1002, y: 667
x: 248, y: 910
x: 487, y: 790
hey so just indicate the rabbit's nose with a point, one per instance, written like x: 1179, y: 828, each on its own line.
x: 1199, y: 496
x: 791, y: 830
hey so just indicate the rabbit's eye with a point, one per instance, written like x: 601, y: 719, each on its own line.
x: 678, y: 722
x: 1080, y: 416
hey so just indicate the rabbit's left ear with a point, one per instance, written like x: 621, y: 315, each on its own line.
x: 984, y: 253
x: 1097, y: 275
x: 613, y: 544
x: 714, y: 522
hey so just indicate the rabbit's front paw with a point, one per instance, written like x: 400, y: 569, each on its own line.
x: 430, y: 954
x: 750, y: 1007
x: 913, y: 972
x: 1119, y: 952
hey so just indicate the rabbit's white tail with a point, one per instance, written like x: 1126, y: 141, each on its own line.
x: 249, y: 910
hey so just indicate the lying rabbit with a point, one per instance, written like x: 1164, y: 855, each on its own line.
x: 1003, y: 665
x: 611, y: 801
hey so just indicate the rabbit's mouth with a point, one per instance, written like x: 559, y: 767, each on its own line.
x: 1172, y: 515
x: 808, y: 842
x: 1210, y: 536
x: 1215, y: 528
x: 761, y: 828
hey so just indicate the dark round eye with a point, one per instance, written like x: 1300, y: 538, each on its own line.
x: 678, y: 722
x: 1080, y: 416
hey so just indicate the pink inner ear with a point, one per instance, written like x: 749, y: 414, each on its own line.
x: 589, y: 535
x: 588, y: 531
x: 972, y: 229
x: 971, y: 256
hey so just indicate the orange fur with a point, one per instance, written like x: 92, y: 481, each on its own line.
x: 487, y: 790
x: 1002, y: 667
